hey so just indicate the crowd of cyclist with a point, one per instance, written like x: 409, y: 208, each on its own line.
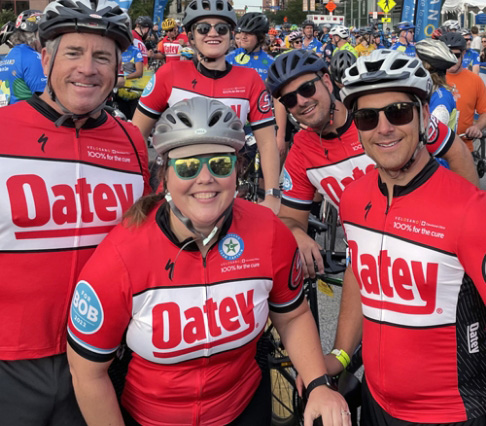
x: 190, y: 273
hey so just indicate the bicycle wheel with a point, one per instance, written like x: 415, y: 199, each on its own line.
x: 286, y: 404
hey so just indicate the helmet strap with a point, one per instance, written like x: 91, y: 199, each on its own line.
x: 188, y: 223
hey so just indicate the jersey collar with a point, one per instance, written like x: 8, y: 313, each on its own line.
x: 50, y: 113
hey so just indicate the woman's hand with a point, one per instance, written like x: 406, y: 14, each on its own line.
x: 328, y: 404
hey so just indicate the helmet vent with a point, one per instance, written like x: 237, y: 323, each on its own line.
x: 228, y: 117
x: 185, y: 119
x: 171, y: 118
x: 374, y: 66
x: 398, y: 64
x: 214, y: 118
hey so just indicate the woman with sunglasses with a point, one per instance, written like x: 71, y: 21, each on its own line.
x: 209, y: 25
x: 415, y: 281
x: 190, y: 278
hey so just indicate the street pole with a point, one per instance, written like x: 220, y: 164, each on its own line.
x: 359, y: 13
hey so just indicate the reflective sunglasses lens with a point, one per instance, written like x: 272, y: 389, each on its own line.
x: 203, y: 28
x: 307, y: 89
x: 187, y: 168
x: 457, y: 55
x: 221, y: 166
x: 399, y: 114
x: 221, y: 29
x: 366, y: 119
x: 289, y: 100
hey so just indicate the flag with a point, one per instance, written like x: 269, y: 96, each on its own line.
x: 408, y: 11
x: 427, y: 18
x: 124, y: 4
x: 159, y: 6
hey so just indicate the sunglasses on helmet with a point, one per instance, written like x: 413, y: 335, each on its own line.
x: 306, y: 90
x: 398, y: 114
x: 221, y: 28
x: 220, y: 166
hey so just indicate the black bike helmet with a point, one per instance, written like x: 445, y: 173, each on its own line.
x: 436, y: 54
x: 253, y: 23
x: 289, y: 66
x: 340, y: 62
x: 28, y: 20
x: 101, y: 17
x: 308, y: 23
x: 198, y: 9
x: 144, y: 22
x: 453, y: 40
x: 5, y: 33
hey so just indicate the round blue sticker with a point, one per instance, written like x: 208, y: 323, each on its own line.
x: 231, y: 247
x: 149, y: 87
x: 86, y: 310
x: 287, y: 181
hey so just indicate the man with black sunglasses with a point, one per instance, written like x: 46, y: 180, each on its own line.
x: 406, y: 31
x: 327, y: 155
x: 415, y: 289
x: 209, y: 25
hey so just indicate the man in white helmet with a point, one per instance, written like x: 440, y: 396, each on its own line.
x: 415, y: 288
x: 68, y: 173
x: 340, y: 37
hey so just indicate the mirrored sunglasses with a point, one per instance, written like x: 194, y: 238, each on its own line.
x: 220, y: 166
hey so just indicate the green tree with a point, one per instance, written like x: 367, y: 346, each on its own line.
x: 145, y: 8
x: 6, y: 15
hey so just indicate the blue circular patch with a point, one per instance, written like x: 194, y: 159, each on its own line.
x: 149, y: 87
x: 86, y: 310
x: 287, y: 181
x: 231, y: 247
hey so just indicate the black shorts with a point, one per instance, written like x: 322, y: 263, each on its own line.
x: 38, y: 392
x: 373, y: 415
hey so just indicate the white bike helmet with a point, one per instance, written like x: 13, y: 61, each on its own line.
x: 385, y: 70
x: 340, y: 31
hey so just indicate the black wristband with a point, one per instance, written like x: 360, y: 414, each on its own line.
x: 324, y: 380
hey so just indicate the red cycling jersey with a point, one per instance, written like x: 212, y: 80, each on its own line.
x: 62, y: 191
x: 420, y: 265
x: 329, y: 165
x: 193, y: 322
x: 172, y: 48
x: 238, y: 87
x: 140, y: 45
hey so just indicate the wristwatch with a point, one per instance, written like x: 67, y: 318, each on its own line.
x: 274, y: 192
x: 324, y: 380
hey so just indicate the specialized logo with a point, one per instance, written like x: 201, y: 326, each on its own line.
x: 287, y: 181
x: 367, y: 209
x: 396, y: 284
x: 86, y: 310
x: 264, y: 102
x: 149, y: 87
x: 231, y: 247
x: 296, y: 272
x: 42, y: 140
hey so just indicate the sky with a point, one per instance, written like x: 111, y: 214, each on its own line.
x: 253, y: 5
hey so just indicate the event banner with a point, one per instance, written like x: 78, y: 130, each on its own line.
x: 159, y: 6
x: 408, y: 11
x: 427, y: 18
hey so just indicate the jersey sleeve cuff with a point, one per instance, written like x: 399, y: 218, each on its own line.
x: 84, y: 352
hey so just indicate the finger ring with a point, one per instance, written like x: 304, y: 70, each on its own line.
x: 348, y: 413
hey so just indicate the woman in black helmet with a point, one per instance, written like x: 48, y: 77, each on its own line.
x: 209, y: 25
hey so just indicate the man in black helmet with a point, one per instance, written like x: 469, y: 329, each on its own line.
x: 327, y: 155
x: 310, y: 42
x: 68, y: 173
x: 143, y: 26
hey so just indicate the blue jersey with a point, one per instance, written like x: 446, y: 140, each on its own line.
x: 129, y: 58
x: 21, y: 75
x: 260, y: 61
x: 471, y: 58
x: 315, y: 45
x: 408, y: 49
x: 443, y: 106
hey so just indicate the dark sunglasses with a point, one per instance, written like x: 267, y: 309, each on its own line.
x: 297, y: 42
x: 306, y: 90
x: 220, y: 166
x: 457, y: 55
x: 221, y: 28
x: 398, y: 114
